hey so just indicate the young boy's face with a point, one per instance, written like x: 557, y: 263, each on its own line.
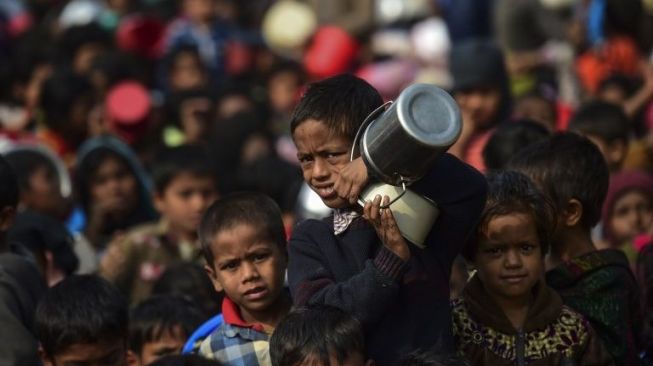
x: 321, y: 154
x: 249, y: 268
x: 509, y: 258
x: 184, y: 201
x: 632, y: 215
x: 171, y: 342
x: 105, y: 353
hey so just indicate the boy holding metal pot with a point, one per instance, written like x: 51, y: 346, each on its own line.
x: 357, y: 259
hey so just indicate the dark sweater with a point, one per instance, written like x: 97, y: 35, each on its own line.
x: 601, y: 286
x: 403, y: 306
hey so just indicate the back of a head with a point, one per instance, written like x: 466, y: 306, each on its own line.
x: 185, y: 360
x: 509, y: 139
x: 40, y: 234
x: 172, y: 162
x: 161, y: 314
x: 248, y: 208
x: 189, y: 280
x: 80, y: 310
x: 316, y: 333
x: 511, y: 192
x: 604, y: 120
x: 340, y: 102
x: 567, y: 166
x: 8, y: 185
x: 432, y: 358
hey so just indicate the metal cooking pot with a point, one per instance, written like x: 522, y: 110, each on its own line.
x: 401, y: 144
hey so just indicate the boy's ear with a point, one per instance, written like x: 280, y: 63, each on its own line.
x: 133, y: 359
x: 45, y: 359
x: 572, y: 214
x: 157, y: 200
x: 7, y: 215
x: 214, y: 278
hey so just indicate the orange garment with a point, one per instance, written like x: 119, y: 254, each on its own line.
x: 618, y: 54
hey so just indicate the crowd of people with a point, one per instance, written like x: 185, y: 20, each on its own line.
x: 176, y: 185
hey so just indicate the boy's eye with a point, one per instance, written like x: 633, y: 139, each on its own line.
x: 527, y: 248
x: 304, y: 159
x: 229, y: 266
x: 259, y: 257
x: 494, y: 251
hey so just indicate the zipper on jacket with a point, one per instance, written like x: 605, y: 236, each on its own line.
x: 520, y: 348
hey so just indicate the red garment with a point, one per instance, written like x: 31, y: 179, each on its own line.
x: 618, y: 54
x: 231, y: 315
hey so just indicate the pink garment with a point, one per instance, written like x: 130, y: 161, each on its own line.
x: 474, y: 151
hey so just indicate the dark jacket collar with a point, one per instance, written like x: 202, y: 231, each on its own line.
x: 544, y: 309
x: 572, y: 271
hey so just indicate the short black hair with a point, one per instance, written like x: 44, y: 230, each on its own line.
x: 150, y: 319
x: 185, y: 360
x: 567, y: 166
x: 174, y: 161
x: 8, y: 185
x: 81, y: 309
x: 316, y: 332
x: 430, y: 357
x: 604, y: 120
x: 513, y: 192
x: 250, y: 208
x: 26, y: 163
x: 189, y: 280
x: 340, y: 102
x: 508, y: 139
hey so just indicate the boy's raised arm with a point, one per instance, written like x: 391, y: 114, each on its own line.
x: 365, y: 295
x: 459, y: 191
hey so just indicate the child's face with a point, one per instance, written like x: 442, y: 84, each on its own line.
x: 105, y: 353
x: 187, y: 72
x: 509, y: 259
x: 283, y: 90
x: 200, y: 10
x: 614, y: 153
x: 114, y: 188
x: 184, y: 201
x: 632, y: 215
x: 481, y: 105
x: 170, y: 343
x: 538, y: 110
x: 249, y: 269
x: 322, y: 154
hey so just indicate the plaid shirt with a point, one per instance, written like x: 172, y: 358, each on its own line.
x: 236, y: 343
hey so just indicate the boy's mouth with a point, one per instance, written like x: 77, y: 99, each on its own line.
x: 325, y: 192
x: 514, y: 278
x: 256, y: 293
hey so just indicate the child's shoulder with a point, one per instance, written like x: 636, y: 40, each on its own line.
x: 229, y: 343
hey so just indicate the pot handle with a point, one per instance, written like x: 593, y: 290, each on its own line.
x: 369, y: 120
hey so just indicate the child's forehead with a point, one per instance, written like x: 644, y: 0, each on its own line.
x: 242, y: 234
x: 333, y: 130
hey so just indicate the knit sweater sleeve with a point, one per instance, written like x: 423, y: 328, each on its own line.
x: 459, y: 192
x: 365, y: 294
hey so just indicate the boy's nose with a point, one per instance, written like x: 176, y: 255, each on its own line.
x: 513, y: 259
x: 320, y: 169
x: 250, y: 272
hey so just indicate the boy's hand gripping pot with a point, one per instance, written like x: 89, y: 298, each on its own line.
x: 399, y: 145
